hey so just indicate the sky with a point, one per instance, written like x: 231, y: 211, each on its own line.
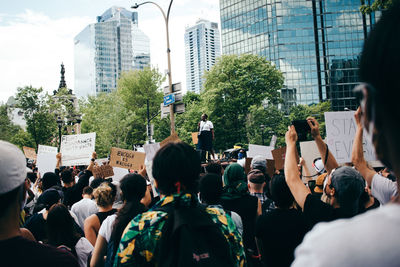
x: 37, y: 36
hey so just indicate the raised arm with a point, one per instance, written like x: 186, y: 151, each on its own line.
x: 331, y: 162
x: 296, y: 186
x: 357, y: 154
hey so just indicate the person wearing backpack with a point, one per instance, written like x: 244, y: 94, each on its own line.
x: 178, y: 230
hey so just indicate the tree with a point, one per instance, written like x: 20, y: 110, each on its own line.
x: 375, y: 6
x: 275, y: 123
x: 22, y: 138
x: 136, y: 88
x: 40, y: 121
x: 107, y: 115
x: 232, y: 86
x: 7, y: 128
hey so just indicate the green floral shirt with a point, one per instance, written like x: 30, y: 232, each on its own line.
x: 142, y: 235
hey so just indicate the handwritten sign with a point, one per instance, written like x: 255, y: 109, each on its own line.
x: 151, y: 150
x: 42, y: 149
x: 340, y: 131
x: 170, y: 139
x: 77, y: 149
x: 46, y: 159
x: 29, y: 152
x: 127, y: 159
x: 103, y: 171
x: 195, y: 138
x: 257, y: 150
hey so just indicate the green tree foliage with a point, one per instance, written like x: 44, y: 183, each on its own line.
x: 136, y: 88
x: 375, y: 6
x: 275, y: 123
x: 40, y: 121
x: 7, y: 128
x: 22, y: 138
x: 107, y: 115
x: 232, y: 86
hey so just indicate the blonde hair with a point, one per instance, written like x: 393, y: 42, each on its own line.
x: 104, y: 195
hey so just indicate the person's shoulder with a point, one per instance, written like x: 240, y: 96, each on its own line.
x: 377, y: 229
x: 36, y: 254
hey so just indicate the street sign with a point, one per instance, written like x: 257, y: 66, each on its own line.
x: 169, y: 99
x: 164, y: 111
x: 179, y: 108
x: 176, y: 87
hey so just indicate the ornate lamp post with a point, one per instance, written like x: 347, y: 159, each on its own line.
x: 60, y: 123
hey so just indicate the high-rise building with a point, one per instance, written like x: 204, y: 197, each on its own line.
x: 315, y: 43
x: 105, y: 49
x: 202, y: 47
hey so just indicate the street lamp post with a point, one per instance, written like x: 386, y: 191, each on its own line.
x: 60, y: 123
x: 166, y: 19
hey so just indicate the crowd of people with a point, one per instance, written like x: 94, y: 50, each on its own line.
x: 220, y: 215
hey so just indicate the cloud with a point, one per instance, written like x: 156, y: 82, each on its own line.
x: 33, y: 47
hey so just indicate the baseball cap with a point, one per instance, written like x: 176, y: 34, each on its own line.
x: 349, y: 185
x: 12, y: 167
x: 256, y: 177
x: 260, y: 163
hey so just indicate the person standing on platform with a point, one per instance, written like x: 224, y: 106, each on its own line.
x: 206, y: 137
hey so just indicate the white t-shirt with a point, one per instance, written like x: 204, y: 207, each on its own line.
x: 370, y: 239
x: 106, y: 227
x: 83, y: 209
x: 206, y: 126
x: 83, y: 249
x: 383, y: 189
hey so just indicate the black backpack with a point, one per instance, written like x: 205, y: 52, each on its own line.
x: 191, y: 238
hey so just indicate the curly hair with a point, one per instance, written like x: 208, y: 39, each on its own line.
x: 104, y: 194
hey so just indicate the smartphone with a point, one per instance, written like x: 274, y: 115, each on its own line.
x: 302, y: 128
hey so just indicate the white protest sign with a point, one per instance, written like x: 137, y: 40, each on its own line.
x: 46, y: 159
x: 149, y: 166
x: 340, y: 131
x: 273, y: 141
x: 257, y: 150
x: 309, y: 152
x: 151, y: 150
x: 77, y: 149
x: 42, y: 149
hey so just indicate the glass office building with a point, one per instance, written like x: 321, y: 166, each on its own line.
x: 105, y: 49
x: 202, y: 47
x: 315, y: 43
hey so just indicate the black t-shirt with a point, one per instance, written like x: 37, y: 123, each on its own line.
x: 74, y: 194
x: 315, y: 211
x: 18, y: 251
x: 37, y: 225
x: 246, y: 207
x: 280, y: 232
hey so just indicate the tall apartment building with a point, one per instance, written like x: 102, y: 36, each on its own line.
x: 105, y: 49
x: 202, y: 47
x: 315, y: 43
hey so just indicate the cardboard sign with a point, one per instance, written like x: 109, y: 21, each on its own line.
x: 103, y: 171
x: 195, y: 138
x: 42, y: 149
x: 270, y: 167
x: 279, y: 157
x: 77, y: 149
x: 151, y: 150
x: 257, y: 150
x: 170, y: 139
x: 46, y: 159
x: 340, y: 131
x: 309, y: 152
x: 29, y: 152
x: 247, y: 165
x: 127, y: 159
